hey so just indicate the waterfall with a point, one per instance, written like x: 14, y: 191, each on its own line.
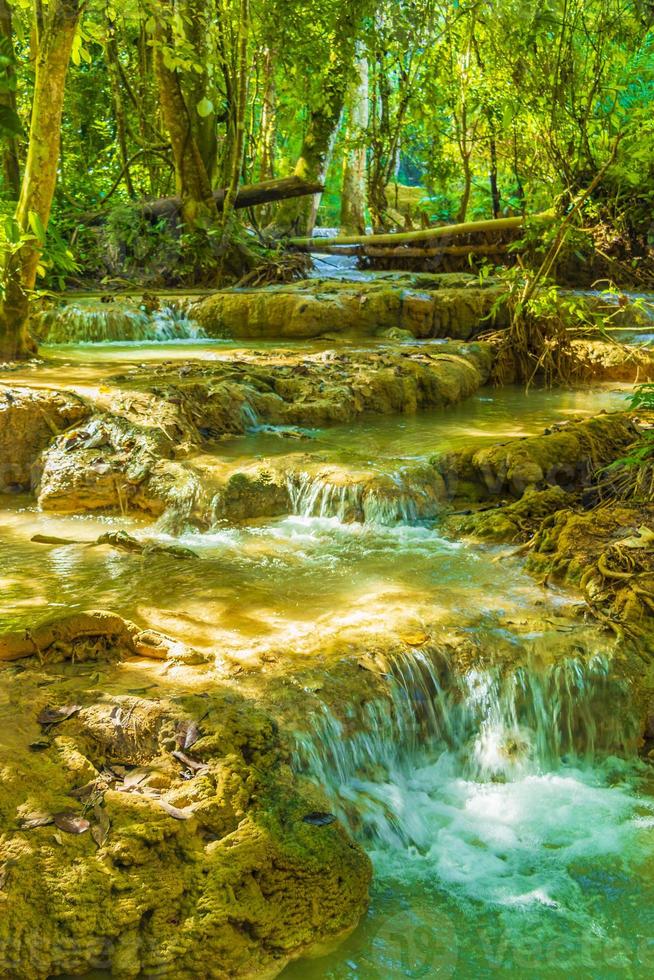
x: 492, y: 725
x: 387, y: 503
x: 82, y: 323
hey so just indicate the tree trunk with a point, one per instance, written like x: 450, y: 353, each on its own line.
x: 519, y: 189
x: 247, y: 196
x: 10, y: 162
x: 196, y: 86
x: 299, y: 217
x: 494, y: 189
x: 467, y: 187
x: 425, y: 234
x: 238, y: 137
x: 192, y: 181
x: 268, y: 118
x: 353, y: 191
x: 55, y: 40
x: 111, y: 57
x: 313, y: 162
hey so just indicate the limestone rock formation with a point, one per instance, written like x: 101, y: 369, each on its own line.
x: 160, y: 832
x: 424, y: 306
x: 29, y: 420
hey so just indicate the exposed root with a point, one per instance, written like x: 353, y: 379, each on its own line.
x: 283, y: 268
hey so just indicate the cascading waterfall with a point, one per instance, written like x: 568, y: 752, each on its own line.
x: 506, y: 815
x: 493, y: 725
x: 82, y: 323
x: 388, y: 505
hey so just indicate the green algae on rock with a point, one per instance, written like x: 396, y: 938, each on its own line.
x: 429, y: 306
x: 199, y: 861
x: 566, y: 456
x: 141, y: 449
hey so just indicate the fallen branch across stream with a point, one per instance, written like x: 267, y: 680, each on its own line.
x: 490, y: 226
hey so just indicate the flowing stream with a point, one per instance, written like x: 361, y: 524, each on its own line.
x: 510, y: 825
x: 510, y: 829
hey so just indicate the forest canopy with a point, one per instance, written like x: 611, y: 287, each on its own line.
x: 409, y: 112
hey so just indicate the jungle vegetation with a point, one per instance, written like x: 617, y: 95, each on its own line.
x: 409, y: 112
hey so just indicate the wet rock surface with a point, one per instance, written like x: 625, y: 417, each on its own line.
x: 555, y: 498
x: 150, y: 820
x: 139, y: 449
x: 567, y: 455
x: 156, y: 815
x: 447, y: 305
x: 29, y: 420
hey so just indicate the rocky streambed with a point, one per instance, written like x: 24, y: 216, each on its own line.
x: 357, y: 609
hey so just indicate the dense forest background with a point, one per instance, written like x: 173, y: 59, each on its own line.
x: 410, y: 112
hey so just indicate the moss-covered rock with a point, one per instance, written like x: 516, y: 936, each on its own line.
x: 146, y: 446
x: 566, y: 455
x: 161, y: 833
x: 303, y: 310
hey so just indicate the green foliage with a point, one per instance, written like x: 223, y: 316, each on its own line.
x: 533, y: 91
x: 10, y: 124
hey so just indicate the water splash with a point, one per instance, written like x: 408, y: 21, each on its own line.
x: 490, y: 726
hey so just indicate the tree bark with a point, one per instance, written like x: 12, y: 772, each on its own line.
x: 238, y: 137
x: 196, y: 86
x: 492, y: 177
x: 10, y: 161
x: 353, y: 191
x: 55, y: 41
x: 192, y: 181
x: 407, y: 251
x: 112, y: 59
x: 268, y: 118
x: 467, y: 187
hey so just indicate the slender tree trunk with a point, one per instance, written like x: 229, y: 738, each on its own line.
x: 196, y: 86
x: 111, y: 56
x: 268, y: 118
x: 10, y: 161
x: 353, y: 191
x: 55, y: 40
x: 519, y: 191
x: 467, y: 187
x: 238, y: 137
x: 492, y: 177
x: 192, y: 180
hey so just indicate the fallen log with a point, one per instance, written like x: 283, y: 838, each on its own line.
x: 427, y: 234
x: 62, y: 632
x: 122, y: 541
x: 247, y: 196
x: 408, y: 251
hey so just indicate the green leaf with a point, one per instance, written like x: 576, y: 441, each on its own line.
x: 37, y: 226
x: 205, y: 107
x: 12, y: 231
